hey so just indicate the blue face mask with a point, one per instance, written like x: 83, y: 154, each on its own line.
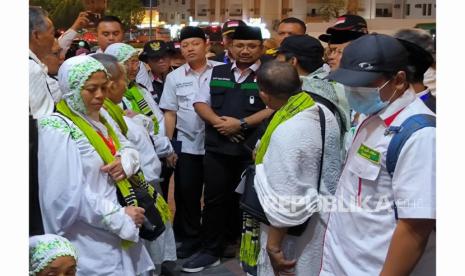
x: 366, y: 100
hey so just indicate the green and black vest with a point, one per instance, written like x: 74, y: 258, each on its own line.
x: 232, y: 99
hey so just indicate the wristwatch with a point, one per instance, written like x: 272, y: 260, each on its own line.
x: 244, y: 125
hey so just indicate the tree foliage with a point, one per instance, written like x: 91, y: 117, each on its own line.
x: 61, y: 12
x: 131, y: 12
x: 332, y: 9
x: 64, y: 12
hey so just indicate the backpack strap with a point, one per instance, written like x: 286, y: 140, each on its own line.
x: 402, y: 133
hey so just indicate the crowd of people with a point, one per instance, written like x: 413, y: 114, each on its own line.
x: 335, y: 143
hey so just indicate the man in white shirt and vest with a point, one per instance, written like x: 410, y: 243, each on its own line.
x: 188, y: 130
x: 384, y: 222
x: 232, y: 110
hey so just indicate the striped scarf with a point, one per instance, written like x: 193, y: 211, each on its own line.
x: 139, y: 105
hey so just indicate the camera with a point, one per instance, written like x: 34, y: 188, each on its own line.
x: 93, y: 19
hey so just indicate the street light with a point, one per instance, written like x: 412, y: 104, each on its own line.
x: 150, y: 24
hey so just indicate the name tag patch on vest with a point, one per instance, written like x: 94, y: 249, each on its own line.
x: 369, y: 154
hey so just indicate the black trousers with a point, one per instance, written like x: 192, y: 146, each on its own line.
x: 166, y: 173
x: 35, y: 217
x: 221, y: 218
x: 188, y: 184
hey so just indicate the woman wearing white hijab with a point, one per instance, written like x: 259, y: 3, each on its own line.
x: 81, y: 161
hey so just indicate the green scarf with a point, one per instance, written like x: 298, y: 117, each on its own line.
x: 102, y: 149
x: 139, y: 105
x: 117, y: 114
x: 294, y: 105
x: 250, y: 239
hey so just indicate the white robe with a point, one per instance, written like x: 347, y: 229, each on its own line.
x: 289, y: 171
x: 78, y: 201
x: 164, y: 247
x: 162, y: 143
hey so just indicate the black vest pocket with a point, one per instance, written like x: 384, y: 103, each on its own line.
x: 217, y: 98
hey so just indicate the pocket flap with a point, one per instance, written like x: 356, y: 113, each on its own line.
x: 364, y: 168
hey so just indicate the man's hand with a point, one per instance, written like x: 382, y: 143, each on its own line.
x: 171, y: 160
x: 115, y: 170
x: 81, y: 21
x: 236, y: 138
x: 280, y: 265
x: 136, y: 214
x: 228, y: 126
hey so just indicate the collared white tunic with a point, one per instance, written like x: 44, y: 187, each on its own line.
x: 79, y: 202
x: 181, y: 88
x: 357, y: 239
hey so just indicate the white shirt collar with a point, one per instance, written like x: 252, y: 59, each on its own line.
x: 188, y: 69
x: 36, y: 59
x: 407, y: 98
x: 254, y: 67
x: 422, y: 93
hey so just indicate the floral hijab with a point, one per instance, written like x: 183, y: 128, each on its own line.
x: 72, y: 75
x: 44, y: 249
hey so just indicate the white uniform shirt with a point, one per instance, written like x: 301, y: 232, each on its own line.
x: 357, y: 242
x: 181, y: 88
x: 239, y: 76
x: 40, y: 98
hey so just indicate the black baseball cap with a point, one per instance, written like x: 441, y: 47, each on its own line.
x: 347, y: 28
x: 154, y: 49
x: 303, y: 46
x: 230, y: 26
x: 366, y: 59
x: 417, y: 56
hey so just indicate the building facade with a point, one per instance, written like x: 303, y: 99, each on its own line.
x: 272, y: 11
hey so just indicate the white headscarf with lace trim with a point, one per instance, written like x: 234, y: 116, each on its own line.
x: 44, y: 249
x: 121, y: 51
x: 72, y: 76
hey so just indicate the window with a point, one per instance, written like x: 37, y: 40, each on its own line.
x: 172, y: 16
x: 424, y: 9
x: 183, y: 2
x: 313, y: 12
x: 183, y: 16
x: 429, y: 9
x: 407, y: 9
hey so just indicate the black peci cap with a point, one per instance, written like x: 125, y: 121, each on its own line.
x: 190, y: 32
x: 247, y: 33
x: 366, y: 59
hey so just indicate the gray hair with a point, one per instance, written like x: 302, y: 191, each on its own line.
x: 419, y: 37
x: 37, y: 19
x: 111, y: 64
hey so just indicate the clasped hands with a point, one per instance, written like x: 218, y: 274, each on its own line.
x: 230, y: 127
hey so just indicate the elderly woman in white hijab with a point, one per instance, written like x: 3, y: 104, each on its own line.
x: 139, y: 101
x: 82, y: 161
x: 163, y: 249
x: 51, y: 254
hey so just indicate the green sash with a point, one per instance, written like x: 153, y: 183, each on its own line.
x: 102, y: 149
x: 139, y: 105
x: 116, y: 114
x: 294, y: 105
x: 250, y: 240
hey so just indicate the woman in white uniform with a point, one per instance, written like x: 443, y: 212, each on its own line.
x: 77, y: 188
